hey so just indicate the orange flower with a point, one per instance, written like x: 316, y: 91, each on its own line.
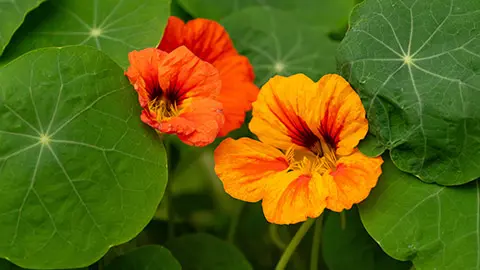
x: 178, y: 93
x: 208, y: 40
x: 306, y: 159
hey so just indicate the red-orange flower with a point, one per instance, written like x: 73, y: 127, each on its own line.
x: 210, y: 42
x: 178, y: 93
x: 306, y: 159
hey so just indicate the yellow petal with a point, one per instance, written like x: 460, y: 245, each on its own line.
x: 292, y: 197
x: 354, y: 176
x: 245, y: 165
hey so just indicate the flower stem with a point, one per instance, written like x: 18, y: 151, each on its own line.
x: 282, y: 263
x: 168, y: 191
x: 317, y: 237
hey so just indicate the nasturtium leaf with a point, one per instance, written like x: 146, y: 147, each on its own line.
x: 416, y: 66
x: 326, y: 14
x: 203, y: 251
x: 436, y: 227
x: 12, y: 14
x: 346, y: 245
x: 79, y: 171
x: 146, y: 258
x: 115, y: 27
x: 276, y: 43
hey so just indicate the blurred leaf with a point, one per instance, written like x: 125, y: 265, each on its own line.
x: 435, y: 227
x: 326, y: 14
x: 146, y: 258
x: 79, y: 171
x: 178, y: 11
x: 203, y: 251
x: 253, y: 237
x: 276, y: 43
x: 12, y: 14
x: 346, y: 245
x: 115, y: 27
x: 416, y: 66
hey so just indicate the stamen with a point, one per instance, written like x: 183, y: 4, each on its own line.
x: 163, y: 108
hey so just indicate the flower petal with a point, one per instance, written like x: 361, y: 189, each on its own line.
x: 143, y: 72
x: 292, y: 197
x: 341, y: 117
x: 208, y: 39
x: 354, y: 176
x: 197, y: 123
x: 183, y: 75
x: 173, y: 35
x: 238, y: 90
x: 245, y: 165
x: 281, y: 111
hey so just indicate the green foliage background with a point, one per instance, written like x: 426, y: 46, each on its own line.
x: 82, y: 180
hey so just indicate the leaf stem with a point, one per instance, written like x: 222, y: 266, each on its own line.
x: 168, y: 191
x: 232, y: 230
x: 282, y: 263
x: 317, y: 237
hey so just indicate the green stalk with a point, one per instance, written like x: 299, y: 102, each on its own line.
x: 317, y: 237
x: 282, y: 263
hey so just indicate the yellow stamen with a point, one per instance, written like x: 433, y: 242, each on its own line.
x: 163, y: 108
x: 320, y: 158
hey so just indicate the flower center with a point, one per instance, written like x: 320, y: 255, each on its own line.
x: 319, y: 159
x: 164, y: 108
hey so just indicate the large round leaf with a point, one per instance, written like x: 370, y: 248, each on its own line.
x: 146, y: 258
x: 346, y: 245
x: 276, y: 43
x: 12, y: 14
x: 203, y: 251
x: 325, y: 14
x: 416, y: 65
x: 79, y: 172
x: 434, y: 226
x: 113, y: 26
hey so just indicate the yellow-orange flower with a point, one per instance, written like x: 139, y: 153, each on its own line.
x: 306, y: 159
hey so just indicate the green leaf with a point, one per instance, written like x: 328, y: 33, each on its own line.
x: 326, y: 14
x: 178, y: 11
x: 276, y: 43
x: 115, y: 27
x: 146, y: 257
x: 346, y: 245
x: 436, y: 227
x: 203, y: 251
x: 12, y: 14
x: 416, y: 65
x: 79, y: 171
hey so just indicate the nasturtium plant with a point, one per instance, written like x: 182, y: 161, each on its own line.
x: 79, y: 172
x: 114, y: 27
x: 416, y: 65
x: 326, y: 14
x: 12, y: 14
x: 151, y: 257
x: 203, y: 251
x: 433, y: 226
x: 276, y: 43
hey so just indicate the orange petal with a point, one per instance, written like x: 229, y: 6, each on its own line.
x: 208, y: 40
x: 238, y: 90
x: 292, y: 197
x: 196, y: 124
x: 183, y: 75
x: 341, y: 116
x: 281, y: 111
x: 143, y: 72
x: 173, y: 35
x: 354, y: 176
x: 245, y: 165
